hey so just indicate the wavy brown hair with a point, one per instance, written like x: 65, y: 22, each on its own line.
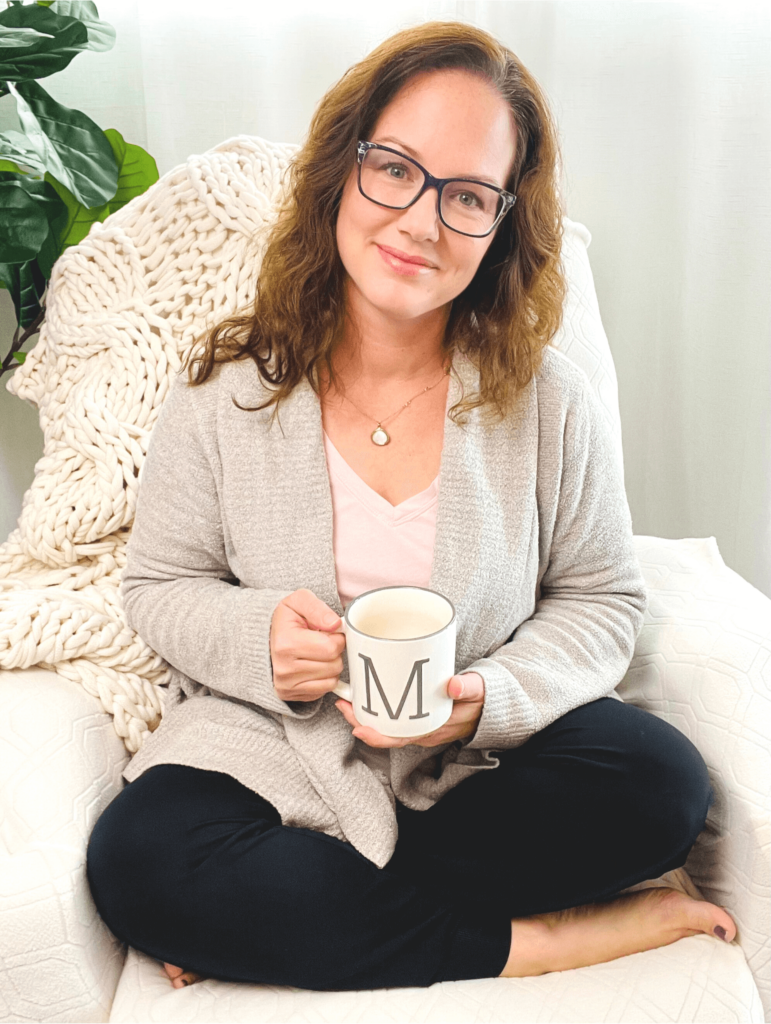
x: 506, y: 315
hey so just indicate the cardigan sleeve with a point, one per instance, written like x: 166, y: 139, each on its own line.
x: 577, y: 645
x: 175, y: 588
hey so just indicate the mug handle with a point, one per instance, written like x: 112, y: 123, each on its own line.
x: 343, y: 690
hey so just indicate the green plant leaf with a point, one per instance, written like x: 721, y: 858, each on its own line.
x: 27, y: 286
x: 25, y: 238
x: 101, y: 35
x: 60, y: 39
x: 73, y: 148
x: 57, y: 215
x: 15, y: 38
x: 138, y: 171
x: 23, y: 223
x: 15, y: 146
x: 6, y: 165
x: 20, y: 357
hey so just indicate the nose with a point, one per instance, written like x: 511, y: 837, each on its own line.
x: 421, y: 220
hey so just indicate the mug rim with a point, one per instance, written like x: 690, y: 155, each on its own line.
x: 398, y: 640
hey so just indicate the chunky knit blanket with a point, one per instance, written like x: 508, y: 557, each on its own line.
x: 123, y: 308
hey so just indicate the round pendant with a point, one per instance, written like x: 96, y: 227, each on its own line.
x: 379, y: 436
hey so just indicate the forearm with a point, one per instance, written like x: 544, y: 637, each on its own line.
x: 215, y: 633
x: 174, y: 588
x: 559, y: 659
x: 577, y: 645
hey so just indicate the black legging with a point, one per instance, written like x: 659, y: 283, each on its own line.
x: 193, y: 868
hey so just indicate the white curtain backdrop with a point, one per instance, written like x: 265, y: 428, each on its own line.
x: 665, y: 118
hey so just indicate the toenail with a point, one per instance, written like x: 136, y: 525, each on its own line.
x: 720, y: 932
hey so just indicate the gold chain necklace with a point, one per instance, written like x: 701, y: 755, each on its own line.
x: 379, y: 436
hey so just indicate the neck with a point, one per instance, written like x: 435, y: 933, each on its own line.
x: 377, y: 350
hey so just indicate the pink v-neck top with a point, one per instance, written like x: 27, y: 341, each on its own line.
x: 377, y: 544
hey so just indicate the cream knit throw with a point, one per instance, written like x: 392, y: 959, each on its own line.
x: 123, y: 308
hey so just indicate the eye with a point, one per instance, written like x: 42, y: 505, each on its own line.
x: 468, y: 199
x: 394, y: 170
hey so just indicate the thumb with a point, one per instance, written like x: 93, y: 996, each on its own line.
x: 467, y: 686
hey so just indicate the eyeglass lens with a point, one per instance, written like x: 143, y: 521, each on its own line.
x: 467, y: 206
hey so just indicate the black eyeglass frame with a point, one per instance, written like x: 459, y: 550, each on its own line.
x: 429, y: 181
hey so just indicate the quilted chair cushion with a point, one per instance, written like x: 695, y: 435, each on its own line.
x: 60, y: 766
x: 695, y: 979
x: 703, y: 663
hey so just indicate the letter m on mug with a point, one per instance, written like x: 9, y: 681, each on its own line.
x: 417, y: 673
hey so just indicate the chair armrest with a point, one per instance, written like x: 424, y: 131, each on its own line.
x: 60, y: 765
x: 703, y: 662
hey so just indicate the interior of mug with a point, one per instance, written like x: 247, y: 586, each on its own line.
x: 405, y: 601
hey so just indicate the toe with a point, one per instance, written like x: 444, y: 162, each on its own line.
x: 720, y: 921
x: 181, y: 978
x: 187, y: 978
x: 695, y: 916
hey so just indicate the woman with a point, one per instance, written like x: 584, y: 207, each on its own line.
x: 405, y: 304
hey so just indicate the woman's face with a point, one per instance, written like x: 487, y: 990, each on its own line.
x: 456, y: 125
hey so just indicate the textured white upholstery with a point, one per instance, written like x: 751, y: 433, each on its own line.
x: 695, y: 979
x: 60, y: 765
x: 702, y: 661
x: 662, y: 984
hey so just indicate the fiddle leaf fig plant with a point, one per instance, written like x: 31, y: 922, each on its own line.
x: 61, y: 173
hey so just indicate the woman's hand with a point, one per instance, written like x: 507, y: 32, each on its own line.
x: 468, y: 693
x: 306, y: 647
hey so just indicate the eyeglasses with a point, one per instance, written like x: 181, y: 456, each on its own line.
x: 389, y: 178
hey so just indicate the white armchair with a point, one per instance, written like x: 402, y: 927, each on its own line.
x: 79, y: 690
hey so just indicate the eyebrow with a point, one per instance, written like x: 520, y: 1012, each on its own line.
x: 411, y: 152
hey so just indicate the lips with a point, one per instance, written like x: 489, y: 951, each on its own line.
x: 403, y: 264
x: 418, y: 261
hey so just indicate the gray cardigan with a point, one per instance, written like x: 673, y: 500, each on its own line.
x: 533, y: 547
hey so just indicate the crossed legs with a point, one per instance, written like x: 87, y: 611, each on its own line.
x: 514, y: 871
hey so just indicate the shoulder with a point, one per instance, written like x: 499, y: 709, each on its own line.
x: 561, y: 396
x: 210, y: 408
x: 571, y: 411
x: 560, y: 379
x: 236, y: 379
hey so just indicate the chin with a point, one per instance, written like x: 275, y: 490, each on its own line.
x: 405, y: 312
x: 394, y: 303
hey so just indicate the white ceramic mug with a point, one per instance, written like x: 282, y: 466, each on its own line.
x: 400, y: 645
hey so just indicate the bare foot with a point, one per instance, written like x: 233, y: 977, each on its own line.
x: 180, y: 978
x: 598, y: 932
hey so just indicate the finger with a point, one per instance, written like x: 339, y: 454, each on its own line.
x: 373, y: 738
x: 315, y: 644
x: 312, y: 609
x: 346, y: 710
x: 366, y: 733
x: 289, y: 673
x: 305, y: 691
x: 297, y: 643
x: 468, y: 686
